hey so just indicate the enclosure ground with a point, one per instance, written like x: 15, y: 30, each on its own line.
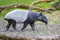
x: 40, y: 30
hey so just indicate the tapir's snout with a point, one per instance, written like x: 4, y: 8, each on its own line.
x: 45, y: 20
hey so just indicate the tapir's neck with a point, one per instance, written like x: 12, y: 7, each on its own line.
x: 32, y: 16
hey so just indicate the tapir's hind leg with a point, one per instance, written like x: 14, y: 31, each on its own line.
x: 8, y: 25
x: 11, y: 22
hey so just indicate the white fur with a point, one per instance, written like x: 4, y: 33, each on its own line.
x: 17, y: 15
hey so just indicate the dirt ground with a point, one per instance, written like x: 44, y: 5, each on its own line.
x: 40, y: 30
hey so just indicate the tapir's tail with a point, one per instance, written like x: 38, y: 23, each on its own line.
x: 5, y: 18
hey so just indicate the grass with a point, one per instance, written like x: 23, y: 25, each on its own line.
x: 27, y: 2
x: 7, y: 2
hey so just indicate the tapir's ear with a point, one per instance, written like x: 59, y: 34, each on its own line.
x: 40, y: 13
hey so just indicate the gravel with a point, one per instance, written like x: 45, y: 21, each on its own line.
x: 40, y: 30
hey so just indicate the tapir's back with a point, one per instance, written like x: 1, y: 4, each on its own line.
x: 17, y: 15
x: 32, y: 16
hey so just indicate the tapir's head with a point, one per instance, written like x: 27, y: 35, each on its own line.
x: 42, y: 18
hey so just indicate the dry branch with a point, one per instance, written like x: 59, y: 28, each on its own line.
x: 8, y: 37
x: 38, y: 1
x: 48, y: 38
x: 23, y: 6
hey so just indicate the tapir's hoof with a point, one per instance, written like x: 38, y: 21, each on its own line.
x: 33, y: 29
x: 7, y: 29
x: 21, y: 29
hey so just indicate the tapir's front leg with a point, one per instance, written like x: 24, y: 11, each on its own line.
x: 32, y: 25
x: 24, y: 26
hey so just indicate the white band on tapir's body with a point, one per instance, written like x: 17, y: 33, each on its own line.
x: 17, y: 15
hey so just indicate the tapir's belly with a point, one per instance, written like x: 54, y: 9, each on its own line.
x: 17, y: 15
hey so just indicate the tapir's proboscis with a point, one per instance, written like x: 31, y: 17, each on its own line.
x: 24, y: 16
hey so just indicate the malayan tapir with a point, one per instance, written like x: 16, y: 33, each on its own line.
x: 24, y: 16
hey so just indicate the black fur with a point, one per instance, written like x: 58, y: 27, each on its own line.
x: 32, y: 17
x: 10, y: 22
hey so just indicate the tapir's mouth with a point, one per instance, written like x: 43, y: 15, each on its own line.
x: 46, y: 22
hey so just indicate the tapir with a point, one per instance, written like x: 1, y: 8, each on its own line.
x: 24, y: 16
